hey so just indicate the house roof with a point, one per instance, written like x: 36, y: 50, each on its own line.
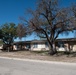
x: 43, y: 41
x: 21, y: 42
x: 67, y: 39
x: 28, y: 42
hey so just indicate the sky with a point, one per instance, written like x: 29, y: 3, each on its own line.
x: 11, y: 10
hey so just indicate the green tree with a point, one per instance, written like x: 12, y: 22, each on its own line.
x: 8, y: 33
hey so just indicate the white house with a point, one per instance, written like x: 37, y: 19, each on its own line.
x: 40, y: 45
x: 35, y: 45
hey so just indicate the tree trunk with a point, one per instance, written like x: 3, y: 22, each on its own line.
x: 52, y: 50
x: 8, y: 49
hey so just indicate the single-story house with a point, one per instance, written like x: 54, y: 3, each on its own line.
x: 38, y: 45
x: 34, y: 45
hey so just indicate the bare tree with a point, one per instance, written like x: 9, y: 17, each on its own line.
x: 73, y: 8
x: 73, y: 11
x: 48, y: 21
x: 21, y: 31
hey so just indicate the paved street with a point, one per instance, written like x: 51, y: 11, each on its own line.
x: 18, y: 67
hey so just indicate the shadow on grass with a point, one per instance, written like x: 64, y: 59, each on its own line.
x: 67, y: 54
x: 14, y: 50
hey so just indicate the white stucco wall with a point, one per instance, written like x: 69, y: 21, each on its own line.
x: 61, y: 49
x: 14, y: 47
x: 39, y: 47
x: 1, y: 47
x: 74, y: 48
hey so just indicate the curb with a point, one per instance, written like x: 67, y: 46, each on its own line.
x: 40, y: 61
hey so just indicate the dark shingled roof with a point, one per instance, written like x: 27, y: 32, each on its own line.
x: 43, y: 41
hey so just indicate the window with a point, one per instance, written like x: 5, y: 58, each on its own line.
x: 35, y: 45
x: 46, y: 44
x: 60, y: 44
x: 28, y: 46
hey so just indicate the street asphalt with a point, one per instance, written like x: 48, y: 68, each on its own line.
x: 15, y: 66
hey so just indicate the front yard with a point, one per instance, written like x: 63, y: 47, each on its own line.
x: 40, y: 55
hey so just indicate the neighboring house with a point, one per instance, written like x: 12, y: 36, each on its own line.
x: 68, y: 44
x: 21, y: 45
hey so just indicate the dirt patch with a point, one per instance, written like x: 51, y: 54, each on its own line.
x: 39, y: 56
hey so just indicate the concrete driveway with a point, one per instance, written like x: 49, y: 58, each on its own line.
x: 31, y: 67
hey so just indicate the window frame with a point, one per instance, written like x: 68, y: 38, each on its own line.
x: 35, y: 45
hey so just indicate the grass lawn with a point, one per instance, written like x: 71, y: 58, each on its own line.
x: 40, y: 55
